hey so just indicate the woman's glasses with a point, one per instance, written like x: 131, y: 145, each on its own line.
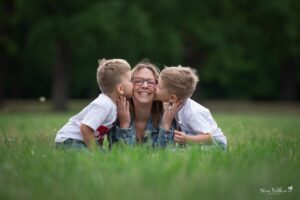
x: 140, y: 82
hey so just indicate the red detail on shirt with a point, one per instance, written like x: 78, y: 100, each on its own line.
x: 102, y: 131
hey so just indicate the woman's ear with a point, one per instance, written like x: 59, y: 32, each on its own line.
x: 173, y: 98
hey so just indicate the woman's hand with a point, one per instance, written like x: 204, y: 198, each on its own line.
x: 180, y: 137
x: 123, y: 112
x: 169, y: 114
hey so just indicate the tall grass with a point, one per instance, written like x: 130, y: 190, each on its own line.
x: 263, y: 154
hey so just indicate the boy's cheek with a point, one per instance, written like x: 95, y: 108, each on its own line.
x: 156, y: 92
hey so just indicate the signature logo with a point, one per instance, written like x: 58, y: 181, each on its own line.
x: 276, y: 190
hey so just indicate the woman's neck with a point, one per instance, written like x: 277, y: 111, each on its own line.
x: 142, y: 112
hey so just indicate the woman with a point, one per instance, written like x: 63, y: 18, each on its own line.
x: 141, y: 120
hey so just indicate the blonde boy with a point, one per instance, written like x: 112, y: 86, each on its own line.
x: 95, y: 120
x: 195, y: 121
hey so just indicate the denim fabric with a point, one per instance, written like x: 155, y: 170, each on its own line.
x: 76, y: 145
x: 155, y: 137
x: 72, y: 144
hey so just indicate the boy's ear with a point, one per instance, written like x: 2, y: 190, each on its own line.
x: 120, y: 89
x: 173, y: 98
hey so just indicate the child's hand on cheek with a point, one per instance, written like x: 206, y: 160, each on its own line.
x: 169, y: 114
x: 123, y: 112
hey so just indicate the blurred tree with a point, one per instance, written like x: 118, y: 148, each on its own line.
x: 5, y: 44
x: 76, y: 35
x: 245, y: 49
x: 249, y: 48
x: 53, y: 30
x: 11, y: 41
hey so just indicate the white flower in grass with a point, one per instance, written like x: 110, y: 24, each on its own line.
x: 42, y: 99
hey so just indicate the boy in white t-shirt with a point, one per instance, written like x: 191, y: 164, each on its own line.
x: 89, y: 127
x: 195, y: 121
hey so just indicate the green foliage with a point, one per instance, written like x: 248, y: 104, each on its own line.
x: 263, y: 152
x: 240, y: 49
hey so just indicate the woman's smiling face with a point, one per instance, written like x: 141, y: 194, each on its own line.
x: 144, y: 84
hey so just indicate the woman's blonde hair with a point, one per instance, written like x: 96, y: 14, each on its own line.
x: 181, y: 81
x: 109, y: 73
x: 157, y: 108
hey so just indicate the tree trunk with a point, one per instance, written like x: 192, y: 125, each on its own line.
x: 288, y: 80
x: 60, y: 87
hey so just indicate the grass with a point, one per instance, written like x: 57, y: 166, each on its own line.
x: 263, y: 154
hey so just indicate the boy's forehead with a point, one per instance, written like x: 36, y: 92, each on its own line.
x: 160, y: 81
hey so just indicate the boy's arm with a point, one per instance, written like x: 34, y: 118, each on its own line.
x: 88, y: 136
x: 182, y: 138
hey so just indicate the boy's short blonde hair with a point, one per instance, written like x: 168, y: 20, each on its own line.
x: 109, y: 73
x: 181, y: 81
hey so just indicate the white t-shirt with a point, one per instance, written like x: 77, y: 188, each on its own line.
x: 194, y: 118
x: 98, y: 115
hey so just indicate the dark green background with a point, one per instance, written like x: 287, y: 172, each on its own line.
x: 247, y: 49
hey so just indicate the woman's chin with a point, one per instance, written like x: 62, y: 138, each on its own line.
x: 144, y: 99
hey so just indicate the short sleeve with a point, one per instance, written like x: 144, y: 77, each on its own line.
x: 199, y: 123
x: 96, y: 117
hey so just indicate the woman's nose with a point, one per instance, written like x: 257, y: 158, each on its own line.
x: 145, y: 84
